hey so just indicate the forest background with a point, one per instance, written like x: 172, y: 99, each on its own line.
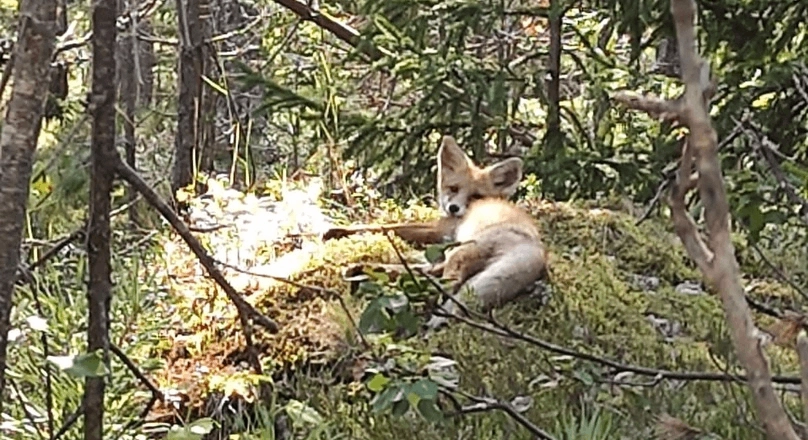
x: 332, y: 112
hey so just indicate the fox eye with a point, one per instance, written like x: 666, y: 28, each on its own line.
x: 453, y: 189
x: 475, y: 196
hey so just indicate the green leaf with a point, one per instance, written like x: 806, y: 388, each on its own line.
x: 409, y: 284
x: 384, y: 400
x: 400, y: 407
x: 84, y: 365
x: 201, y: 426
x: 370, y: 288
x: 764, y: 100
x: 408, y: 321
x: 183, y: 433
x: 429, y: 410
x: 302, y: 414
x: 373, y: 318
x: 425, y: 389
x: 584, y: 377
x: 379, y: 276
x: 756, y: 220
x: 394, y: 303
x: 377, y: 382
x: 434, y: 252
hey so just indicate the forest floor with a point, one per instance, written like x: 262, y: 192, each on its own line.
x: 623, y: 310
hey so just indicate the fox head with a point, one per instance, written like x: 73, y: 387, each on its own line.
x: 461, y: 181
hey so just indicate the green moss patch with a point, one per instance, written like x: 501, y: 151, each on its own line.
x: 596, y: 306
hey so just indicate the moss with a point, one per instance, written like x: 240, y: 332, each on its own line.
x: 595, y: 308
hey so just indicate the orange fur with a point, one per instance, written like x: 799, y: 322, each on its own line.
x: 501, y: 253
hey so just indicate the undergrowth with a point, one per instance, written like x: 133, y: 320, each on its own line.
x: 180, y: 330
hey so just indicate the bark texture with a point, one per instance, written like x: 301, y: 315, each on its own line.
x: 190, y: 86
x: 104, y: 157
x: 31, y: 73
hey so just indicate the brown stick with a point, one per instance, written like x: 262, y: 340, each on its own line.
x: 717, y: 261
x: 722, y: 270
x: 246, y: 310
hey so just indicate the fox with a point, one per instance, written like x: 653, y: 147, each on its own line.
x: 500, y: 252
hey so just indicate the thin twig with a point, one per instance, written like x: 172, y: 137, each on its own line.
x: 499, y: 329
x: 246, y: 311
x: 24, y: 407
x: 488, y: 403
x: 70, y: 421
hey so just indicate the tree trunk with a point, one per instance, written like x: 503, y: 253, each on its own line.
x: 127, y: 94
x: 31, y: 73
x: 146, y: 62
x: 553, y: 137
x: 102, y: 109
x: 190, y: 70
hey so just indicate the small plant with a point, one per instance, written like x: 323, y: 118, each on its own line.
x: 408, y: 381
x: 594, y: 425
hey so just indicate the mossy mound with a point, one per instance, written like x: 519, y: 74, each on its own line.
x: 204, y: 348
x: 614, y: 295
x: 599, y: 306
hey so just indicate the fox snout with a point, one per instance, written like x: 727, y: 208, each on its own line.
x: 452, y: 206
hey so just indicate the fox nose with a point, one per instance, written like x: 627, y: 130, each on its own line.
x: 453, y: 208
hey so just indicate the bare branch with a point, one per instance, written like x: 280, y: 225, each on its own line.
x: 722, y: 270
x: 716, y: 259
x: 683, y: 224
x: 246, y: 310
x: 487, y: 403
x: 656, y: 107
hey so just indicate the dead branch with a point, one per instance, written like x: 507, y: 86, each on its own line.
x: 662, y: 109
x: 488, y: 404
x: 324, y: 293
x: 717, y: 261
x: 723, y: 270
x: 245, y: 309
x: 499, y: 329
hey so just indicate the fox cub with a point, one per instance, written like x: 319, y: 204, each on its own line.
x: 500, y: 252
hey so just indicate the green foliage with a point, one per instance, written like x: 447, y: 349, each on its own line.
x: 49, y: 328
x: 390, y: 311
x: 85, y: 365
x: 476, y: 70
x: 589, y: 425
x: 195, y: 430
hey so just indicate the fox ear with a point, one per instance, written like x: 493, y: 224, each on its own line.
x: 506, y: 175
x: 451, y: 157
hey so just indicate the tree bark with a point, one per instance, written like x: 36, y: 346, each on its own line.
x: 104, y: 157
x: 190, y: 86
x: 31, y: 73
x: 722, y: 269
x: 128, y: 94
